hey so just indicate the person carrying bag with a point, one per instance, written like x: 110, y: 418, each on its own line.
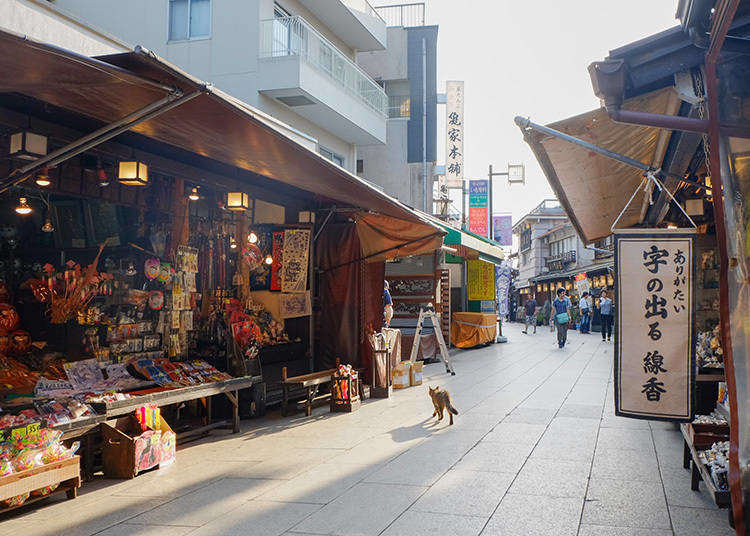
x: 561, y: 309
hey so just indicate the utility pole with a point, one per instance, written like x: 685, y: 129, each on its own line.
x: 516, y: 173
x: 424, y: 124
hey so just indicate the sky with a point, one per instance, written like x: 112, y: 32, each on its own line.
x: 527, y: 58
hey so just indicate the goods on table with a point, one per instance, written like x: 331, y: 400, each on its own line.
x: 713, y: 418
x: 166, y: 373
x: 25, y: 452
x: 708, y: 349
x: 717, y: 460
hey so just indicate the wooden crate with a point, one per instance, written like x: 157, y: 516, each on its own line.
x: 67, y: 473
x: 702, y: 436
x: 345, y: 393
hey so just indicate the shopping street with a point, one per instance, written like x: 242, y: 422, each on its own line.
x: 536, y: 449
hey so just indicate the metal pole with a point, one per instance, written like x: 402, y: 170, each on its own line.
x: 96, y: 138
x: 489, y: 204
x: 424, y: 122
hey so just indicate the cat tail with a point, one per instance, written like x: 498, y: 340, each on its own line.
x: 452, y: 409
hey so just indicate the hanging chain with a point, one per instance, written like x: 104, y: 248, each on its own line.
x: 699, y: 88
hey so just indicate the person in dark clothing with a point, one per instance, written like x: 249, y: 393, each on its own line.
x: 561, y: 315
x: 605, y: 311
x: 530, y: 308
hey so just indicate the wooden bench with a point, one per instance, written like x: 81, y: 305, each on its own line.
x: 309, y: 383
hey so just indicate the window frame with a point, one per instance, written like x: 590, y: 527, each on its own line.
x: 189, y: 38
x: 334, y: 157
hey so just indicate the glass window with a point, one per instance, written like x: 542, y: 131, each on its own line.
x: 333, y: 157
x: 189, y: 19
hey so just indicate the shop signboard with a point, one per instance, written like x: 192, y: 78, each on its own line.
x: 502, y: 286
x: 654, y: 330
x: 502, y: 230
x: 582, y: 283
x: 454, y: 134
x: 478, y: 206
x: 480, y: 279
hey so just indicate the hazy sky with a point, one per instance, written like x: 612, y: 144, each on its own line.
x: 527, y: 58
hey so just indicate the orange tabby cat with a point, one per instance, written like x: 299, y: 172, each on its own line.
x: 441, y: 399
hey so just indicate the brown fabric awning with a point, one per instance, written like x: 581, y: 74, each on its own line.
x: 594, y: 189
x: 385, y: 238
x: 213, y: 125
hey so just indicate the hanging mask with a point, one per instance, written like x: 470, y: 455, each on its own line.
x: 152, y: 268
x: 165, y: 272
x: 252, y: 255
x: 156, y: 300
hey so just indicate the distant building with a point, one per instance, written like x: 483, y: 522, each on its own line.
x: 551, y: 254
x: 397, y: 166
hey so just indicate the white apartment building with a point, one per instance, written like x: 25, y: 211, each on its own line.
x: 293, y: 59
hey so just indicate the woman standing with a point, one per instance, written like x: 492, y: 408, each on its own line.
x: 605, y: 311
x: 561, y: 308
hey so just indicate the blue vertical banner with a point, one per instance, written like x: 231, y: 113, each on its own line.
x: 502, y: 287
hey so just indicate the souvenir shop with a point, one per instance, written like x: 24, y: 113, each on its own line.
x: 657, y: 172
x: 159, y: 272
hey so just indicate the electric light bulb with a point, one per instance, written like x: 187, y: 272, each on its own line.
x: 268, y: 259
x: 193, y: 196
x: 252, y: 237
x: 23, y: 207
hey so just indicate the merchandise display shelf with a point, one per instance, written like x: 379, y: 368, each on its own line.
x: 700, y: 471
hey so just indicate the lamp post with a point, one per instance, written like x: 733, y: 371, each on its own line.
x: 516, y: 173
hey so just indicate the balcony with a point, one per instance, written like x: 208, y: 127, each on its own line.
x: 558, y: 262
x: 303, y: 70
x: 355, y: 22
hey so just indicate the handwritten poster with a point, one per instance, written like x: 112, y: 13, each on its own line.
x: 295, y: 253
x: 480, y: 280
x: 654, y: 337
x: 454, y: 134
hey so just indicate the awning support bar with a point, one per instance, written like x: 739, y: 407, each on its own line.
x: 97, y: 137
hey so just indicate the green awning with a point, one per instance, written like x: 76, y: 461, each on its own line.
x: 487, y: 250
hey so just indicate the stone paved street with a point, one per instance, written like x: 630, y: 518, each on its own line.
x: 536, y: 450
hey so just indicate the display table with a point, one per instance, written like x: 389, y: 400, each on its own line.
x: 472, y: 329
x: 166, y: 397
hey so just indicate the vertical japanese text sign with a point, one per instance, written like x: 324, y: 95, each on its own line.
x: 478, y: 206
x: 454, y: 134
x: 654, y: 337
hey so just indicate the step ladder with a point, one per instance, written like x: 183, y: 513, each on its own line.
x: 429, y: 312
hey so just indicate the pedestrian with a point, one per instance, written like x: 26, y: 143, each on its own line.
x: 561, y: 307
x: 388, y: 301
x: 531, y: 308
x: 585, y: 308
x: 605, y: 312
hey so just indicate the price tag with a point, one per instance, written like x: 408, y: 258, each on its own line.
x: 33, y: 428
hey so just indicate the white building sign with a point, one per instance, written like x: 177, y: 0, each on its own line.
x: 654, y: 337
x: 454, y: 134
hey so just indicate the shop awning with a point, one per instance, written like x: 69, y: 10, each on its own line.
x: 594, y: 189
x: 213, y: 125
x: 567, y: 274
x: 478, y: 247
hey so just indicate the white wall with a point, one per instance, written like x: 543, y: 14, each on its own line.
x: 42, y: 22
x: 228, y: 58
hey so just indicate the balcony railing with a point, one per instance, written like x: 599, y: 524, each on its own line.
x: 407, y: 15
x: 293, y: 36
x: 365, y: 6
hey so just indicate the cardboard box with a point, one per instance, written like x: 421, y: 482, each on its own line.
x: 127, y: 449
x: 401, y: 375
x: 415, y: 373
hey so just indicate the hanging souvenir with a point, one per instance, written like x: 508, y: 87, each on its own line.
x: 156, y: 300
x: 20, y: 342
x: 252, y: 255
x: 152, y: 268
x: 165, y: 272
x: 9, y: 319
x: 4, y: 343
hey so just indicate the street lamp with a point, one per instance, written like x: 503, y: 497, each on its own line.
x: 516, y: 174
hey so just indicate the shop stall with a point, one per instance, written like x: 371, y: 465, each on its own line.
x: 665, y: 161
x: 167, y: 266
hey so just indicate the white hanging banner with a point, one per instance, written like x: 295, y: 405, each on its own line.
x: 654, y: 336
x: 454, y: 134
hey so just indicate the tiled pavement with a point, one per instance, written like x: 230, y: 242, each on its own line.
x: 536, y: 450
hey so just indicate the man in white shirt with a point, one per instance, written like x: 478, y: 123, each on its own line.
x: 585, y: 306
